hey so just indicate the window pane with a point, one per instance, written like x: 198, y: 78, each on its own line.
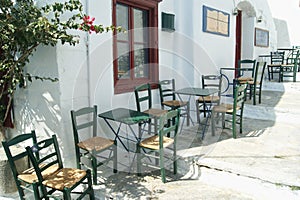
x: 141, y: 61
x: 122, y: 20
x: 140, y: 22
x: 123, y: 61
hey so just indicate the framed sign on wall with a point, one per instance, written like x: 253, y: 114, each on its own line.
x: 215, y: 21
x: 261, y: 37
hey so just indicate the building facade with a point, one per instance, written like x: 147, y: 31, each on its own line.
x: 186, y: 39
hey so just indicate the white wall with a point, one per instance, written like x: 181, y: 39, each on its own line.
x: 283, y: 36
x: 189, y: 52
x: 289, y: 12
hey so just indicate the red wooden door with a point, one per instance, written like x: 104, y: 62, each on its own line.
x: 238, y: 38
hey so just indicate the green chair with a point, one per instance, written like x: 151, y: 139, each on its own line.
x: 290, y: 69
x: 90, y: 147
x: 143, y: 97
x: 292, y: 55
x: 204, y: 104
x: 15, y: 153
x: 156, y: 146
x: 255, y: 86
x: 168, y: 99
x: 235, y: 110
x: 277, y: 59
x: 60, y: 179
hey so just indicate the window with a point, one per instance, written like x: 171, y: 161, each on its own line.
x: 135, y: 51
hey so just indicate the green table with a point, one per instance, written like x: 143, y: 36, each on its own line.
x: 128, y: 117
x: 194, y: 91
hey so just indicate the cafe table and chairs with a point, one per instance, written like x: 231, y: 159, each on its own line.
x: 197, y: 92
x: 126, y: 124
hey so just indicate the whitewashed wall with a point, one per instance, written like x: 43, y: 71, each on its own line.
x: 85, y: 72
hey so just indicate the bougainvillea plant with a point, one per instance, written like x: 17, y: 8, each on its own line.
x: 24, y: 26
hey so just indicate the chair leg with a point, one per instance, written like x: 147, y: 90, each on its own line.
x: 198, y: 111
x: 21, y: 191
x: 272, y: 74
x: 138, y: 159
x: 223, y: 120
x: 174, y: 160
x: 44, y: 192
x: 78, y: 158
x: 94, y: 168
x: 90, y: 186
x: 149, y: 126
x: 259, y: 95
x: 234, y: 125
x: 35, y: 192
x: 162, y: 166
x: 155, y: 125
x: 204, y: 109
x: 241, y: 124
x: 115, y: 159
x: 250, y: 92
x: 254, y: 94
x: 188, y: 114
x: 212, y: 122
x: 294, y: 74
x: 67, y: 194
x: 269, y: 73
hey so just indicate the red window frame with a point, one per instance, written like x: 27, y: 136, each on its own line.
x: 127, y: 85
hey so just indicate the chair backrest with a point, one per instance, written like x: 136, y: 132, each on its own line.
x: 296, y: 58
x: 166, y: 90
x: 239, y: 97
x: 19, y: 142
x: 212, y: 81
x: 49, y: 160
x: 277, y: 57
x: 244, y: 66
x: 166, y: 128
x: 83, y: 120
x: 291, y: 58
x: 143, y: 96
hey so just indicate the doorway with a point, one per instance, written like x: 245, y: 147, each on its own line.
x: 238, y: 39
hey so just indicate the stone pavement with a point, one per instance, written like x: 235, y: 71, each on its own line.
x: 262, y: 163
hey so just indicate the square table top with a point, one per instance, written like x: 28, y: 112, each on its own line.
x: 197, y: 91
x: 125, y: 115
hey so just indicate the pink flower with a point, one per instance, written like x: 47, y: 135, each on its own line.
x: 87, y: 24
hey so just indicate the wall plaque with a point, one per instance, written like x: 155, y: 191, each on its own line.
x: 215, y: 21
x: 261, y: 37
